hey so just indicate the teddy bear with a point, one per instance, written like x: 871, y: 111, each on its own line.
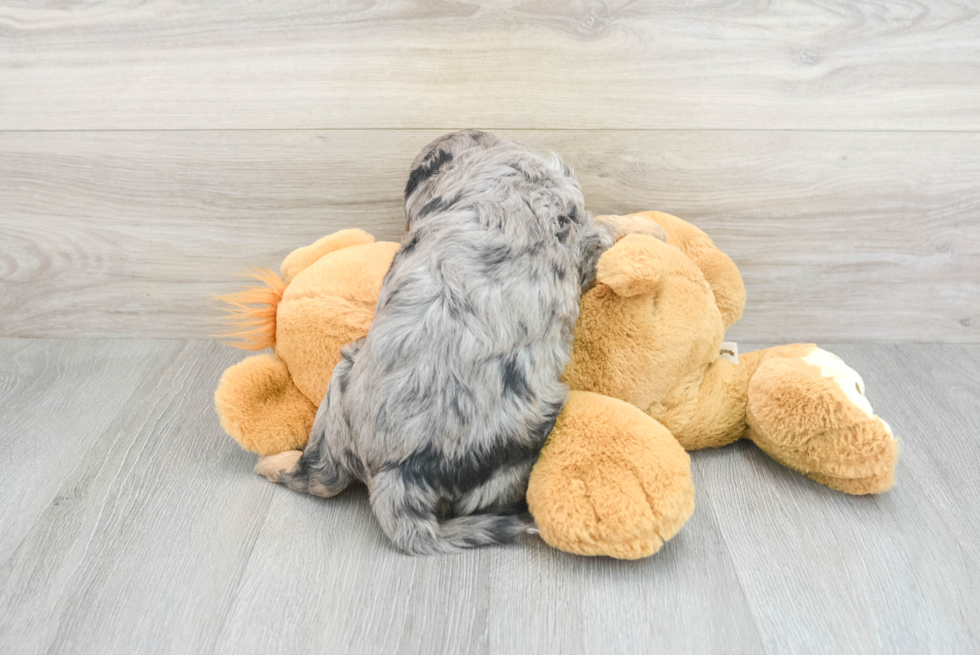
x: 648, y: 381
x: 651, y: 333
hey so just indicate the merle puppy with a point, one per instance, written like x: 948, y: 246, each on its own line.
x: 443, y: 407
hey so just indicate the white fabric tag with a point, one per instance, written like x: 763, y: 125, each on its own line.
x: 729, y: 350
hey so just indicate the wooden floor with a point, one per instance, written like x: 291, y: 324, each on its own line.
x: 131, y: 523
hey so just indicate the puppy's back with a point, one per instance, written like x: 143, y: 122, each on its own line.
x: 457, y: 385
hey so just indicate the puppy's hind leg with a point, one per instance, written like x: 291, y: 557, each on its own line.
x: 315, y: 470
x: 324, y: 466
x: 271, y: 466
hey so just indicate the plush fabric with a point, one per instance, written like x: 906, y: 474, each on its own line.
x: 647, y: 377
x: 610, y: 480
x: 261, y: 407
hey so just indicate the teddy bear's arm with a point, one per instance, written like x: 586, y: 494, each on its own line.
x: 300, y: 258
x: 807, y: 409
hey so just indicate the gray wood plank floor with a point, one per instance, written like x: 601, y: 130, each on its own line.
x: 131, y: 523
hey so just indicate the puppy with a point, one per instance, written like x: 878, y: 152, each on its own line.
x: 443, y: 407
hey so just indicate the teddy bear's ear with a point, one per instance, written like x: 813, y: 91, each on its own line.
x: 718, y: 269
x: 635, y: 266
x: 300, y: 258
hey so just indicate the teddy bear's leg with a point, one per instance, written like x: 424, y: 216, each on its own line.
x: 610, y: 481
x: 261, y: 408
x: 808, y: 411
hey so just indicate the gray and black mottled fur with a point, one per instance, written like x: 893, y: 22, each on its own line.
x: 443, y: 407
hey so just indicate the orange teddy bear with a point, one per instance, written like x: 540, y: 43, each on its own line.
x: 648, y: 378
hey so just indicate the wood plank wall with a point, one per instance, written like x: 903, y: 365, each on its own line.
x: 149, y: 151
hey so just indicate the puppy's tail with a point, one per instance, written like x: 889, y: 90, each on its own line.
x: 407, y: 515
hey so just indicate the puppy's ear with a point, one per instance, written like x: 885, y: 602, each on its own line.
x: 558, y: 165
x: 429, y: 166
x: 440, y: 152
x: 635, y: 266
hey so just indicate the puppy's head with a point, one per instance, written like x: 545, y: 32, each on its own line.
x: 553, y: 194
x: 435, y: 160
x: 503, y: 183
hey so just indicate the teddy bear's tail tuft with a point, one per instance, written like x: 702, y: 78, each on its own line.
x: 251, y: 314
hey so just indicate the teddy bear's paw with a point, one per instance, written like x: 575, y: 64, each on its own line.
x: 610, y: 481
x: 810, y: 413
x: 261, y: 408
x: 862, y: 486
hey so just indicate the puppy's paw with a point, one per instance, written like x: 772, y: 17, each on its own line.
x: 272, y: 466
x: 632, y: 224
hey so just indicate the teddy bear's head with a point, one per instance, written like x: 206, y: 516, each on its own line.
x: 657, y: 314
x: 324, y: 299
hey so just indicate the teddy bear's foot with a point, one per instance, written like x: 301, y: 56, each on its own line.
x: 809, y: 412
x: 872, y: 484
x: 610, y: 481
x: 261, y: 408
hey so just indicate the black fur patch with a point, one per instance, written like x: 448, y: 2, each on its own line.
x: 515, y: 381
x: 437, y: 204
x: 429, y: 468
x: 410, y: 246
x: 444, y: 510
x: 565, y: 222
x: 497, y: 255
x: 454, y: 305
x: 413, y: 508
x: 354, y: 465
x: 516, y: 507
x: 311, y: 454
x: 541, y: 431
x: 342, y: 372
x: 427, y: 170
x: 343, y: 368
x: 592, y: 249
